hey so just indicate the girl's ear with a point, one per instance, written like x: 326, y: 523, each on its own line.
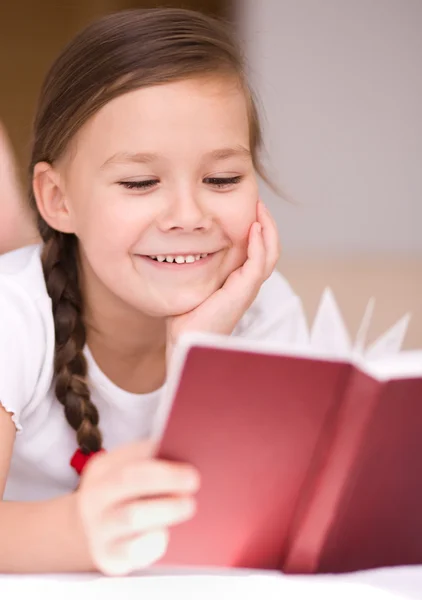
x: 50, y: 197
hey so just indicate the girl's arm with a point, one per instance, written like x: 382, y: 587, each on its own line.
x: 38, y: 536
x: 115, y: 522
x: 17, y: 227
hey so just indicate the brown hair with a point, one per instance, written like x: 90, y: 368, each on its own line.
x: 113, y: 55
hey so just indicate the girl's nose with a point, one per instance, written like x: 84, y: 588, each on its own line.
x: 185, y: 213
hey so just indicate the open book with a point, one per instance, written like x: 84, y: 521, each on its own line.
x: 311, y: 457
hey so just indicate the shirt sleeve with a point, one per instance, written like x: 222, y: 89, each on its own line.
x: 276, y: 315
x: 22, y: 345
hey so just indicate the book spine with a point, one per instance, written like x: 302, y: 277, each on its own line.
x: 322, y: 497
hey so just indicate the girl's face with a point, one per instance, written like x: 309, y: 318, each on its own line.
x: 161, y: 191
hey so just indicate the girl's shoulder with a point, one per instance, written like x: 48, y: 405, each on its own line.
x: 24, y: 301
x: 276, y: 315
x: 22, y: 268
x: 26, y: 329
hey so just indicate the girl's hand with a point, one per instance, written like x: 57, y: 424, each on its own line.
x: 126, y: 502
x: 221, y: 312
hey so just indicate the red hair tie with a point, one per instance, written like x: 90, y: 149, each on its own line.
x: 79, y: 459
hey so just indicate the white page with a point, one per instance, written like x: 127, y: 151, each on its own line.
x: 390, y: 342
x: 363, y: 330
x: 407, y: 364
x: 329, y: 333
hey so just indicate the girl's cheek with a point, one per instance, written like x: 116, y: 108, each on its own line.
x: 244, y: 219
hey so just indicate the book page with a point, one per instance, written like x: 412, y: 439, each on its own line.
x: 362, y: 333
x: 405, y: 365
x: 390, y: 342
x: 329, y: 333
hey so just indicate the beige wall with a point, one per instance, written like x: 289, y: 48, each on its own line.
x: 341, y: 86
x: 32, y: 32
x: 395, y: 284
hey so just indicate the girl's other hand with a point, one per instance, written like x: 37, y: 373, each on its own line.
x: 127, y: 502
x: 222, y: 310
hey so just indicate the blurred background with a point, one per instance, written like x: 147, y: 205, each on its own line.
x: 340, y: 88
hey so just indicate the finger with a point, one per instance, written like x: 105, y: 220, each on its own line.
x: 138, y: 517
x: 242, y: 285
x: 138, y: 553
x: 118, y: 457
x: 270, y: 236
x: 127, y: 457
x: 252, y: 269
x: 255, y: 257
x: 149, y: 478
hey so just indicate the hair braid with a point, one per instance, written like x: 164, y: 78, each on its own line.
x: 70, y: 367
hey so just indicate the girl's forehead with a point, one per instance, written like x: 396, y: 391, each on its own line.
x: 178, y: 99
x: 208, y: 112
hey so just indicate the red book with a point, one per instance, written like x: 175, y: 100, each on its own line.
x: 307, y: 464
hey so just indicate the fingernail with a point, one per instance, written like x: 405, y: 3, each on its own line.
x: 259, y: 228
x: 193, y: 480
x: 188, y: 506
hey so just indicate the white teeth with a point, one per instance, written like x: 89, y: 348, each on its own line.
x: 185, y: 259
x: 190, y: 258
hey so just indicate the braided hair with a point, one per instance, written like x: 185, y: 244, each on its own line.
x: 59, y: 263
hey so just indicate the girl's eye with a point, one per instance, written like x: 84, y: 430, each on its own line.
x: 138, y: 185
x: 222, y: 182
x: 219, y: 182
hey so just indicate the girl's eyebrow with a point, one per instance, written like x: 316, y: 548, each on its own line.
x: 223, y: 153
x: 130, y: 157
x: 149, y: 157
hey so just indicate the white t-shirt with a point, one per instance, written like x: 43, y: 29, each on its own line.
x: 45, y: 442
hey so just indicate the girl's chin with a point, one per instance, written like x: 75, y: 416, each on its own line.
x: 175, y: 309
x: 173, y: 305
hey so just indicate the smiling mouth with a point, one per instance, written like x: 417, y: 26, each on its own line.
x: 179, y: 259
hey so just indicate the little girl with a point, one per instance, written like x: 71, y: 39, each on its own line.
x: 143, y: 180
